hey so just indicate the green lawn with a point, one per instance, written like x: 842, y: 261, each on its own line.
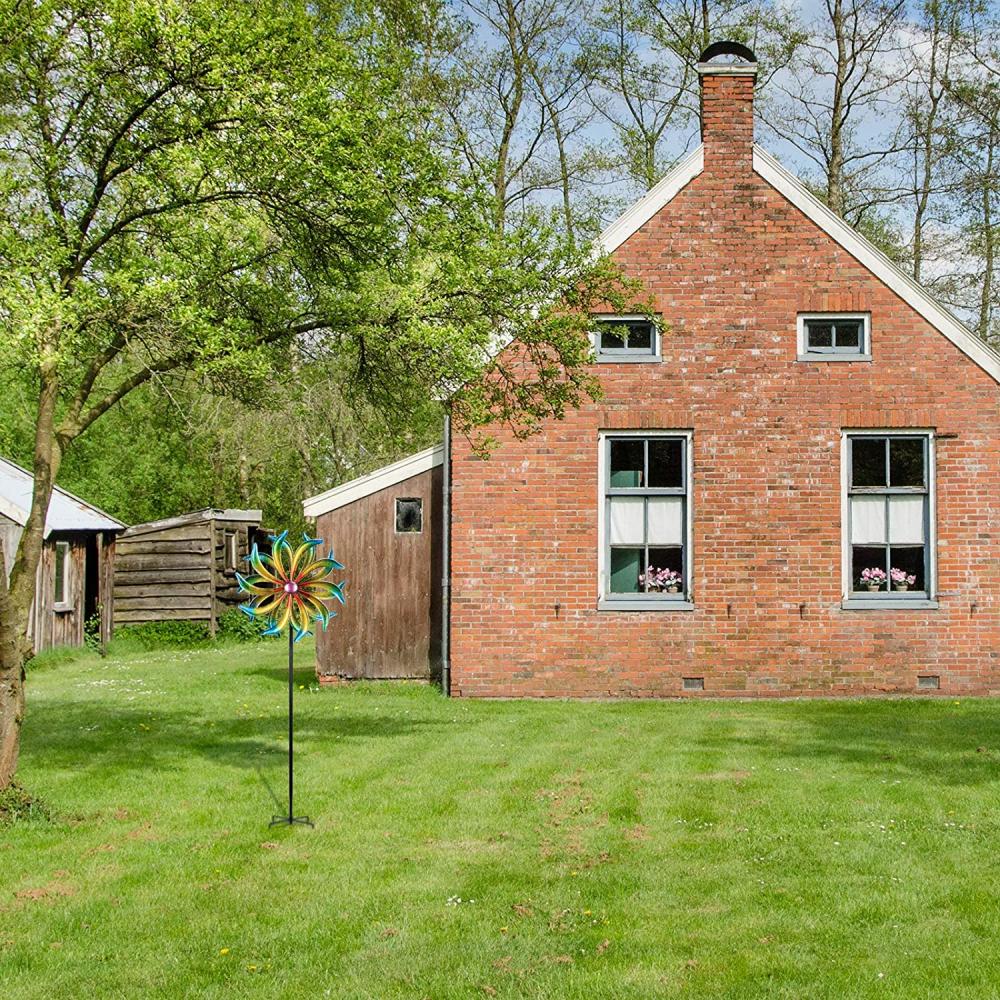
x: 479, y: 849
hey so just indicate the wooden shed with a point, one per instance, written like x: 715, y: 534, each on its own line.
x: 73, y: 582
x: 386, y: 530
x: 183, y: 568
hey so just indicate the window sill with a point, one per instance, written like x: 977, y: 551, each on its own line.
x: 613, y: 605
x: 629, y: 359
x: 834, y: 357
x: 889, y: 604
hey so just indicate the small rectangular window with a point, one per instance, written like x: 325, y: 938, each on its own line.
x: 231, y: 549
x: 827, y: 337
x: 61, y: 595
x: 888, y: 515
x: 626, y: 338
x: 409, y: 515
x: 645, y: 519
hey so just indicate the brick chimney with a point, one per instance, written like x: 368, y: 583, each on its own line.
x: 727, y: 107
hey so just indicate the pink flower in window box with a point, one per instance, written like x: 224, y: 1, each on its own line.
x: 901, y: 580
x: 873, y: 578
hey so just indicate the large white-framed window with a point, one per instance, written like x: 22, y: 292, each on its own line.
x: 61, y: 577
x: 628, y: 338
x: 889, y: 521
x: 834, y: 337
x: 644, y: 533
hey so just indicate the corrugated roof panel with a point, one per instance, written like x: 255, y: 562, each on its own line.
x: 66, y: 512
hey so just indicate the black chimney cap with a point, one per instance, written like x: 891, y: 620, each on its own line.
x: 727, y: 49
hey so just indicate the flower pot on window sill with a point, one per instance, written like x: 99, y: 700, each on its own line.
x: 673, y: 590
x: 873, y: 587
x: 900, y: 586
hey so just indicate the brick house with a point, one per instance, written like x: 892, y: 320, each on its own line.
x: 802, y: 421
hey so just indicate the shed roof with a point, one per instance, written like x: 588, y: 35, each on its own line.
x: 380, y: 479
x: 207, y: 514
x: 66, y: 512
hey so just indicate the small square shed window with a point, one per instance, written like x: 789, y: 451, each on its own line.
x: 828, y: 337
x: 409, y: 515
x: 625, y: 338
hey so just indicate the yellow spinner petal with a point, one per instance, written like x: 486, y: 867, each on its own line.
x: 284, y: 616
x: 299, y: 563
x: 270, y: 605
x: 261, y: 565
x: 279, y: 556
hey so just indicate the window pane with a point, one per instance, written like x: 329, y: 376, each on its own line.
x: 666, y: 463
x: 612, y: 337
x: 848, y: 334
x: 409, y: 515
x: 626, y: 565
x: 60, y: 581
x: 640, y: 336
x: 906, y: 461
x: 906, y: 520
x: 867, y: 557
x: 665, y: 558
x: 627, y: 462
x: 868, y: 520
x: 627, y: 524
x: 819, y: 334
x: 910, y: 560
x: 665, y: 518
x: 868, y: 461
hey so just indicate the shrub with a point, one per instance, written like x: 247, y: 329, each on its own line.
x: 235, y: 626
x: 16, y: 805
x: 154, y: 635
x: 92, y: 631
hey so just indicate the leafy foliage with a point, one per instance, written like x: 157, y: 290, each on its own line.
x: 158, y: 635
x: 234, y: 626
x: 17, y: 805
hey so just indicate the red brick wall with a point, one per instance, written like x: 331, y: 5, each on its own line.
x: 731, y: 263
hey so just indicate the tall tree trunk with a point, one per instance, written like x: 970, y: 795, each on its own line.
x: 11, y: 681
x: 835, y: 164
x: 989, y: 239
x: 17, y: 597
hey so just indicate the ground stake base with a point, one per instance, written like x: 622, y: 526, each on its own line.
x: 290, y: 820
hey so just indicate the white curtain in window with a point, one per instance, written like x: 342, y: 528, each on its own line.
x: 868, y: 520
x: 906, y: 520
x: 666, y: 521
x: 627, y: 521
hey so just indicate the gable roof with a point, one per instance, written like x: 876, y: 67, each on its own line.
x: 869, y: 256
x: 66, y: 512
x: 364, y: 486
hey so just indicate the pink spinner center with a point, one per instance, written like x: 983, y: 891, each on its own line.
x: 291, y: 587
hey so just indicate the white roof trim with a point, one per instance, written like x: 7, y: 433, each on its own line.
x: 645, y: 208
x: 875, y: 261
x: 390, y: 475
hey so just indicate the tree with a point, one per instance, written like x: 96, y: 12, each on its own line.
x: 846, y: 76
x: 646, y: 86
x: 192, y: 192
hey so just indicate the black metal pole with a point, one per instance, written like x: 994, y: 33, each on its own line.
x: 291, y: 817
x: 291, y: 721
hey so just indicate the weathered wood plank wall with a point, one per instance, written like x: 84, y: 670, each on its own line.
x: 391, y: 624
x: 179, y: 572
